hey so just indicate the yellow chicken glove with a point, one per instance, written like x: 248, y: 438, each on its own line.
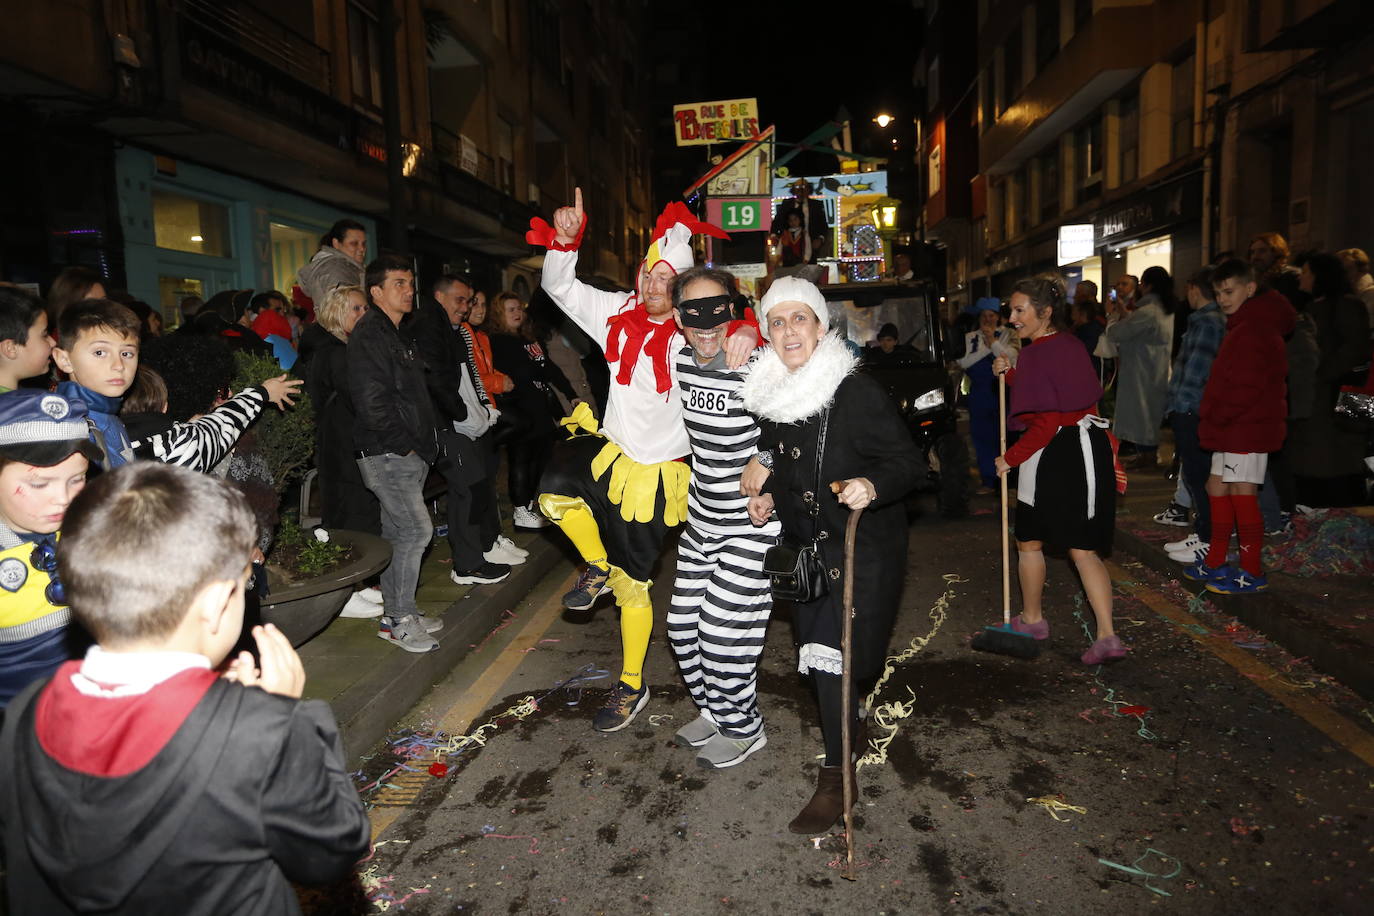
x: 641, y: 489
x: 580, y: 420
x: 604, y: 459
x: 676, y: 476
x: 620, y: 472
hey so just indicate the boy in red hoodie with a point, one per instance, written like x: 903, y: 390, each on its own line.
x: 141, y: 781
x: 1241, y: 421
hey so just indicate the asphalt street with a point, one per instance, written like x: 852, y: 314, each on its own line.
x: 1208, y: 772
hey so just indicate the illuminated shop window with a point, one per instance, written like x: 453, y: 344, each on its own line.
x: 187, y: 224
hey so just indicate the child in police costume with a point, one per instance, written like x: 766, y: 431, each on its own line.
x: 615, y: 490
x: 45, y: 450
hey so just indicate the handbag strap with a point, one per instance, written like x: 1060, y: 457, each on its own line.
x: 816, y: 487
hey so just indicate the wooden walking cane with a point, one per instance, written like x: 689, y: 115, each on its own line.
x: 847, y: 686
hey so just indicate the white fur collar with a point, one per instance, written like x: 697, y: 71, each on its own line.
x: 782, y: 396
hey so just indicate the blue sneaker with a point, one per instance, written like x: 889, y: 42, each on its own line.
x: 1239, y: 582
x: 1201, y: 572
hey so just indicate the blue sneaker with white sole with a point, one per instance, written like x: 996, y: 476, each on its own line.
x: 1239, y: 582
x: 1201, y: 572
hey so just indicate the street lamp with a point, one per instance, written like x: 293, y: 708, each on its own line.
x: 884, y: 212
x: 883, y: 120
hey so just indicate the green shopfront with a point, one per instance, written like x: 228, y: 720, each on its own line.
x: 194, y: 231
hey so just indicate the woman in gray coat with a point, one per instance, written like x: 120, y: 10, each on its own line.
x: 1143, y: 340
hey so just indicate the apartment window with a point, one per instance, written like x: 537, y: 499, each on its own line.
x: 596, y: 107
x: 364, y: 50
x: 1046, y: 32
x: 986, y: 99
x: 1181, y: 111
x: 1011, y: 70
x: 505, y: 155
x: 1129, y: 118
x: 1019, y: 210
x: 1082, y: 13
x: 1048, y: 167
x: 500, y: 20
x: 1088, y: 160
x: 933, y: 85
x: 546, y: 37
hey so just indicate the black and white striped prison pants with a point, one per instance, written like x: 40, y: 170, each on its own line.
x: 717, y: 621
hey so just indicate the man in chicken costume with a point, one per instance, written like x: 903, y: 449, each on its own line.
x: 617, y: 490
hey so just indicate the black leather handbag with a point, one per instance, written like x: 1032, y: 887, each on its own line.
x: 797, y: 572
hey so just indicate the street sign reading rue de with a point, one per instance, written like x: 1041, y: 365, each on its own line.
x: 739, y: 214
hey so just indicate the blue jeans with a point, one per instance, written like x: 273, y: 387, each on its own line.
x: 398, y: 482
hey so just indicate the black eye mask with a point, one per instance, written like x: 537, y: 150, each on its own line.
x: 706, y: 313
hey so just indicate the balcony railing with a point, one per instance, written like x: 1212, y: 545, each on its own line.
x: 263, y: 37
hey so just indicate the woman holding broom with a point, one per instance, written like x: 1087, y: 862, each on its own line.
x: 820, y: 423
x: 1066, y: 494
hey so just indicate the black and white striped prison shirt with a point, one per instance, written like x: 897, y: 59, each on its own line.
x: 723, y: 438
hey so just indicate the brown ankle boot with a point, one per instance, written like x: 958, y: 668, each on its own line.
x: 825, y: 807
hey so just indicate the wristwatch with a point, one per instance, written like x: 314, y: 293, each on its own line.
x: 765, y: 458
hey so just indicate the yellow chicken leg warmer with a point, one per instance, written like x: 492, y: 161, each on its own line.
x: 636, y: 623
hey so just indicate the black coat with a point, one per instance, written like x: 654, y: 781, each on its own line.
x: 865, y: 438
x: 532, y: 402
x: 386, y: 378
x: 443, y: 351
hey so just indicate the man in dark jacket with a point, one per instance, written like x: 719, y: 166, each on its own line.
x: 434, y: 330
x: 395, y: 442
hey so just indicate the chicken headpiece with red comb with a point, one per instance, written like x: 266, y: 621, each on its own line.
x: 672, y: 240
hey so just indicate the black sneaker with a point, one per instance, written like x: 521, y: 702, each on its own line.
x: 589, y: 585
x: 622, y: 705
x: 485, y: 574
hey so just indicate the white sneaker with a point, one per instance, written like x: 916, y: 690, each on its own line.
x: 525, y: 518
x: 410, y: 633
x: 360, y: 606
x: 1191, y: 542
x: 510, y: 546
x: 373, y: 594
x: 1189, y: 557
x: 502, y: 557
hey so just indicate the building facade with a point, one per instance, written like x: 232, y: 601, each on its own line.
x: 1114, y: 135
x: 184, y: 146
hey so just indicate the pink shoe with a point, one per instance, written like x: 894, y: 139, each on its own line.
x: 1106, y: 649
x: 1040, y: 629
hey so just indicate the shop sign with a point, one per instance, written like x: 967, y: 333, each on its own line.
x: 739, y: 214
x: 1075, y: 243
x: 699, y: 123
x: 221, y: 65
x: 1156, y: 208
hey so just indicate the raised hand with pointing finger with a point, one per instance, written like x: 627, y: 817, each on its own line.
x: 566, y: 232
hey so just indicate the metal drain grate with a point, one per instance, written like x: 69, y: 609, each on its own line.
x: 402, y: 790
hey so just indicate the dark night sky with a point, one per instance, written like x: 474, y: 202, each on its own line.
x: 802, y: 67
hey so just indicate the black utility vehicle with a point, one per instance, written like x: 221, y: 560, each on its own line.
x: 914, y: 373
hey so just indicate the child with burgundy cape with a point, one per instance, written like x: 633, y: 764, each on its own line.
x: 1066, y: 495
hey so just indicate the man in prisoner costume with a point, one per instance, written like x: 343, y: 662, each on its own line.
x: 616, y: 490
x: 721, y: 598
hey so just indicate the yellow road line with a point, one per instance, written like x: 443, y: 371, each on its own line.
x: 1322, y: 717
x: 460, y: 716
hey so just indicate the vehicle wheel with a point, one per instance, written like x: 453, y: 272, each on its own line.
x: 952, y: 454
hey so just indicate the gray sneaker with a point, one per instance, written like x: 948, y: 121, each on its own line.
x: 721, y: 751
x: 695, y: 733
x: 410, y: 633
